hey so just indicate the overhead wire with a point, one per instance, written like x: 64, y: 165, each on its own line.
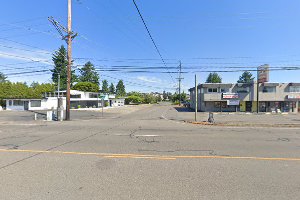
x: 135, y: 84
x: 158, y: 51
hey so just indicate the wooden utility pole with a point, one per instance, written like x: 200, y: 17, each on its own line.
x: 179, y: 82
x: 68, y: 38
x: 196, y: 98
x: 257, y: 91
x: 69, y: 41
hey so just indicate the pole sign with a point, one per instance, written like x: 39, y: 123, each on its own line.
x: 102, y: 97
x: 230, y: 95
x: 263, y: 73
x: 233, y: 102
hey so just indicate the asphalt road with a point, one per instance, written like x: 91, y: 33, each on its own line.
x: 141, y: 154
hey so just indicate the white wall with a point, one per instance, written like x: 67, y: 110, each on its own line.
x: 117, y: 102
x: 47, y: 104
x: 13, y: 107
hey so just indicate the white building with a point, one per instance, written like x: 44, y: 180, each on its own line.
x: 78, y: 99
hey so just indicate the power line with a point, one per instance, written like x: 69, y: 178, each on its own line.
x: 135, y: 84
x: 24, y: 68
x: 23, y: 57
x: 22, y: 21
x: 21, y: 49
x: 28, y: 72
x: 152, y: 38
x: 9, y: 64
x: 9, y: 40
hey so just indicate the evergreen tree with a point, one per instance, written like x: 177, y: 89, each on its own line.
x: 165, y: 95
x: 89, y: 74
x: 60, y: 68
x: 120, y: 89
x: 112, y: 88
x: 105, y: 88
x: 213, y: 78
x: 246, y: 77
x: 2, y: 78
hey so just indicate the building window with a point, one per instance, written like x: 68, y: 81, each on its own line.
x: 294, y: 88
x: 10, y: 102
x: 224, y: 90
x: 212, y: 90
x: 93, y: 95
x: 243, y: 90
x: 35, y: 103
x: 18, y: 103
x: 269, y: 89
x: 76, y: 96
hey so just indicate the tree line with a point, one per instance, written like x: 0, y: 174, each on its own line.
x: 18, y: 90
x: 88, y: 80
x: 246, y: 77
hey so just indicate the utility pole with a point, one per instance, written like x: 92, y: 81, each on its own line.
x: 179, y: 83
x: 257, y: 91
x: 58, y: 86
x: 68, y: 38
x: 196, y: 98
x: 69, y: 59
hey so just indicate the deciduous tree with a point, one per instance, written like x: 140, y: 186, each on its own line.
x: 86, y: 87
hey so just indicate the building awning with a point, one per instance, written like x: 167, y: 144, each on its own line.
x: 216, y: 85
x: 294, y: 84
x: 271, y: 84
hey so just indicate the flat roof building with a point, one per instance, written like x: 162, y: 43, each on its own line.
x: 229, y: 97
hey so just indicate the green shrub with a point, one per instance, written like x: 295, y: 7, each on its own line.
x: 86, y: 87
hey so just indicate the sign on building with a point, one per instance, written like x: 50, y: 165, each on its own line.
x: 293, y: 97
x: 233, y: 102
x: 230, y: 95
x: 263, y: 73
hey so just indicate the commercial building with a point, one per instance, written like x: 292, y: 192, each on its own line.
x: 242, y: 97
x: 78, y: 99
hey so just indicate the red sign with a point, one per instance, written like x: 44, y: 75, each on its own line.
x: 230, y: 95
x: 293, y: 96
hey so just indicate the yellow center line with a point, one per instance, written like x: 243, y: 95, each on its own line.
x: 141, y: 156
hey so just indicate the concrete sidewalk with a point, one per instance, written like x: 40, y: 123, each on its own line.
x: 238, y: 119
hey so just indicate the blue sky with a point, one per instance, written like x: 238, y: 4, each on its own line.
x: 204, y: 34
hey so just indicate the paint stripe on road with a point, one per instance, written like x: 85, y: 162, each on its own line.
x: 141, y: 156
